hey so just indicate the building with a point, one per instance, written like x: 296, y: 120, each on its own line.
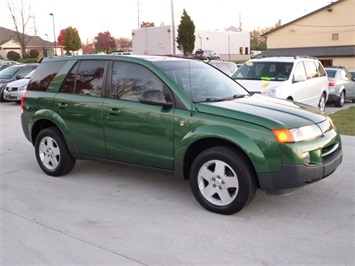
x: 9, y: 42
x: 327, y: 33
x: 229, y: 44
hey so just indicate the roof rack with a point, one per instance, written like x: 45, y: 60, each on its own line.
x: 305, y: 56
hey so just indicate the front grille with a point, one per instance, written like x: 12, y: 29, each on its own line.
x: 327, y: 151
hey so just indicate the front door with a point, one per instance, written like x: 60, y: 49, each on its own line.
x: 136, y: 132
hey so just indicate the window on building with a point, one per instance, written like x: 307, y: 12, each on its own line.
x: 240, y: 50
x: 246, y: 50
x: 335, y: 36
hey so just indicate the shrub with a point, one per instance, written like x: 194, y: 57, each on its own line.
x: 34, y: 53
x: 13, y: 56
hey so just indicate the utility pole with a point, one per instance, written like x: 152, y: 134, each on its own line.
x: 173, y: 27
x: 55, y: 41
x: 138, y: 14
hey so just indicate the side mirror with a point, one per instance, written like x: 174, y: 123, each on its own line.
x: 300, y: 78
x: 154, y: 97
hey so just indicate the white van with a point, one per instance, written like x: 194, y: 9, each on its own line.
x: 301, y: 79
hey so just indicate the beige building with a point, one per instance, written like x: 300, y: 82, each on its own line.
x: 327, y: 33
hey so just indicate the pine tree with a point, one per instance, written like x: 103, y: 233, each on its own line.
x: 186, y: 34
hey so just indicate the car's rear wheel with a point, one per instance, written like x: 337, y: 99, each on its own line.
x: 321, y: 104
x: 52, y: 153
x: 222, y: 180
x: 339, y: 102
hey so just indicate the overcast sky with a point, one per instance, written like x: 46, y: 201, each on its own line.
x: 120, y: 17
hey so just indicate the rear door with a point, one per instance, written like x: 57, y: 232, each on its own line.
x: 79, y: 103
x: 317, y: 83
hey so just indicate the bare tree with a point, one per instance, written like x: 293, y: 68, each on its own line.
x: 21, y: 17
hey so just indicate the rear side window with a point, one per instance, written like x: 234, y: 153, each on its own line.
x: 44, y: 75
x: 86, y: 78
x: 311, y: 69
x: 320, y: 69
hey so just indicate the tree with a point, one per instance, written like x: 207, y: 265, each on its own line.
x: 88, y: 48
x: 147, y: 24
x: 186, y: 34
x: 20, y: 27
x: 124, y: 44
x: 257, y: 41
x: 70, y: 39
x: 104, y: 42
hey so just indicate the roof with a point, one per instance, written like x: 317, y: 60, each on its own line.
x: 320, y: 51
x: 32, y: 41
x: 300, y: 18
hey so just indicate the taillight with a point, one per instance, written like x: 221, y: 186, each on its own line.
x: 331, y: 83
x: 23, y: 101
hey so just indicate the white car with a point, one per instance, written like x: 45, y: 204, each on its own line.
x: 14, y: 90
x: 301, y: 79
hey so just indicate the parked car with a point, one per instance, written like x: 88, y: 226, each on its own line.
x: 122, y: 53
x: 206, y: 54
x: 227, y: 67
x: 15, y: 89
x: 341, y: 85
x: 6, y: 64
x: 13, y: 73
x: 352, y: 72
x: 301, y: 79
x: 178, y: 116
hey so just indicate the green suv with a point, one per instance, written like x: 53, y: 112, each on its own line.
x: 178, y: 116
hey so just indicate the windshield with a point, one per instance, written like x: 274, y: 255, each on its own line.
x: 9, y: 72
x: 200, y: 81
x: 273, y: 71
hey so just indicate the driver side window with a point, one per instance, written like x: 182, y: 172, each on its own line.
x: 129, y: 81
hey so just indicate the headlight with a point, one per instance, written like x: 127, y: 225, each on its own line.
x: 305, y: 133
x: 270, y: 92
x: 22, y: 88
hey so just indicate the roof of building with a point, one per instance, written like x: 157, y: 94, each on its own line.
x: 322, y: 51
x: 7, y: 35
x: 300, y: 18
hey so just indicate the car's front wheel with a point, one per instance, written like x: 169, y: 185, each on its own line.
x: 52, y: 153
x: 222, y: 180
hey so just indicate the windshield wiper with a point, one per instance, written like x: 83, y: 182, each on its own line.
x: 236, y: 96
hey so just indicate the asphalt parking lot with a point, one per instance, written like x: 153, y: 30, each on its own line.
x: 101, y: 214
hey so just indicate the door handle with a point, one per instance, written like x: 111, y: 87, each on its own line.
x: 62, y: 105
x: 114, y: 111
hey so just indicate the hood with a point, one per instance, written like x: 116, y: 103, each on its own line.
x: 270, y: 112
x: 18, y: 83
x: 259, y: 85
x: 4, y: 80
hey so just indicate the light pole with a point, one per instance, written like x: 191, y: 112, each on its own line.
x: 55, y: 43
x: 173, y: 26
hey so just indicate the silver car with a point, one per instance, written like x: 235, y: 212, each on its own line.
x: 341, y: 85
x: 15, y: 89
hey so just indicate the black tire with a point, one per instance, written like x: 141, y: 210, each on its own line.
x: 222, y: 180
x: 321, y: 104
x: 341, y: 100
x: 52, y: 153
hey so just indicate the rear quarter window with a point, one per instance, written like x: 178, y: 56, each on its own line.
x: 311, y: 69
x: 44, y: 75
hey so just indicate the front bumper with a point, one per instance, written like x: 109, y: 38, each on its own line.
x: 293, y: 176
